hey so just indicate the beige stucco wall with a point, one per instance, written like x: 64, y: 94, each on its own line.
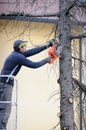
x: 35, y: 87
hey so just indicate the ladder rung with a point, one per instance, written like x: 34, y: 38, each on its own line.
x: 13, y: 103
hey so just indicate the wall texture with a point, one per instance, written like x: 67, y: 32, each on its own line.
x: 35, y: 87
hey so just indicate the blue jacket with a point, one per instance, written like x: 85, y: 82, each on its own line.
x: 15, y: 60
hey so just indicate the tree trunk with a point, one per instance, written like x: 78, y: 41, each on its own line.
x: 65, y: 63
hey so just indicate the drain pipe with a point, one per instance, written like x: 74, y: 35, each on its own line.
x: 84, y: 30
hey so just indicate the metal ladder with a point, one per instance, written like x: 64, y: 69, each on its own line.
x: 14, y: 103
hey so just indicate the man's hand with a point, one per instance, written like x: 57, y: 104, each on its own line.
x: 49, y: 44
x: 48, y: 59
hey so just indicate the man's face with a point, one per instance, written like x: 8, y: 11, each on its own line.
x: 23, y: 48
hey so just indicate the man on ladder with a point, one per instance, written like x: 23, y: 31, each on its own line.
x: 12, y: 66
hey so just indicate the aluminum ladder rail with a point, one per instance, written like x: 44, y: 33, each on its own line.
x: 13, y: 103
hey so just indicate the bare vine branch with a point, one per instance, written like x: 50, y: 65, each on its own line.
x: 30, y: 15
x: 53, y: 128
x: 78, y: 36
x: 80, y: 85
x: 67, y: 9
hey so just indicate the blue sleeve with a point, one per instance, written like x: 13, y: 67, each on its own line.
x: 31, y: 64
x: 34, y: 51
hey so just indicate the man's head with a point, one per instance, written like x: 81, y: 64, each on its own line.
x: 20, y: 45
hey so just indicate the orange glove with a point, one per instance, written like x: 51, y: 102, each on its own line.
x: 52, y: 54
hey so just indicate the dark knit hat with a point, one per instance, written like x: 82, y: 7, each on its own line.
x: 18, y: 44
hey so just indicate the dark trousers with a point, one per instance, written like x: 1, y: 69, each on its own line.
x: 5, y: 108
